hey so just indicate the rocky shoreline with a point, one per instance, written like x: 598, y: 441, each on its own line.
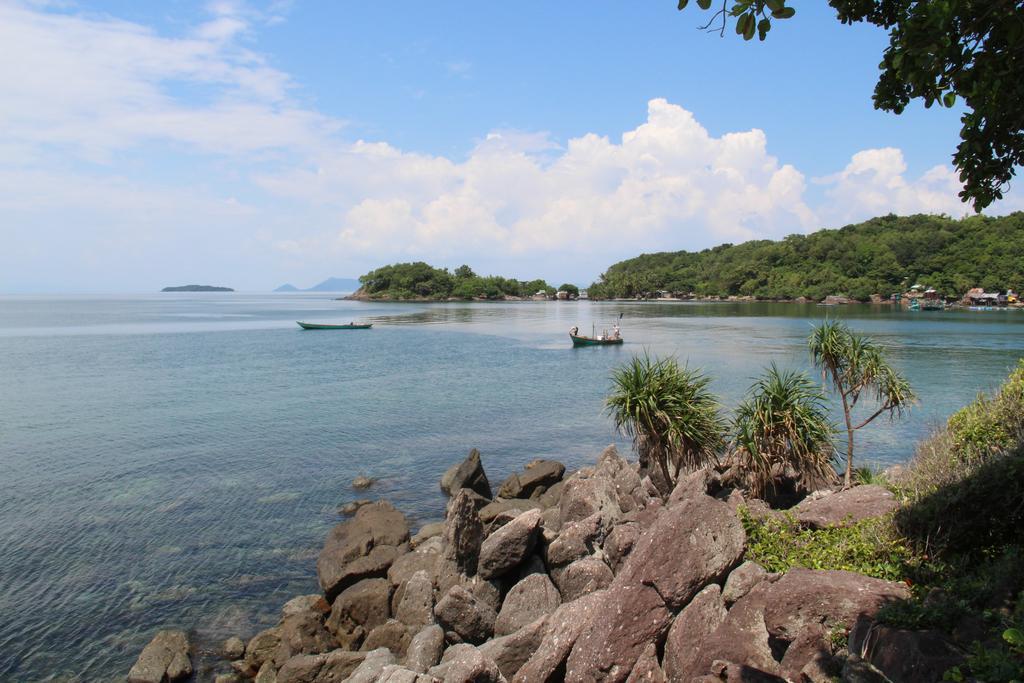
x: 587, y: 577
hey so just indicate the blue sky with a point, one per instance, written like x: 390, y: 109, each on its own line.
x: 253, y: 143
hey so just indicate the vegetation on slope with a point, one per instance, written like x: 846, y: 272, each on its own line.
x: 417, y: 281
x: 881, y: 256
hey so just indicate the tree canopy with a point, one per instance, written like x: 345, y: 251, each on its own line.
x: 405, y: 281
x: 881, y: 256
x: 939, y: 51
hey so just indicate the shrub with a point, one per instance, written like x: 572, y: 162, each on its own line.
x: 991, y: 424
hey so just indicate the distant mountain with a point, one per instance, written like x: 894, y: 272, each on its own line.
x: 331, y: 284
x: 197, y: 288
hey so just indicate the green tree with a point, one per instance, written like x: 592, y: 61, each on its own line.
x: 464, y: 272
x: 856, y: 367
x: 783, y: 424
x: 573, y: 290
x: 670, y: 414
x: 939, y: 51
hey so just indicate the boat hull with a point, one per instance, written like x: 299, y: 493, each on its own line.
x: 590, y: 341
x: 324, y: 326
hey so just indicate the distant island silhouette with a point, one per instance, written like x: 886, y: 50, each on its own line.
x: 197, y: 288
x: 331, y: 284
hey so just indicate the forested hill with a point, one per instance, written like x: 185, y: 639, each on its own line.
x: 881, y: 256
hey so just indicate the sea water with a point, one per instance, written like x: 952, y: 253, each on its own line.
x: 175, y: 460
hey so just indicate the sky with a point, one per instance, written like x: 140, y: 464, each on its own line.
x: 253, y: 143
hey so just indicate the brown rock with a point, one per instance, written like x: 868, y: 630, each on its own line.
x: 492, y: 510
x: 234, y: 648
x: 695, y: 623
x: 846, y: 507
x: 581, y: 577
x: 358, y: 610
x: 530, y: 599
x: 425, y: 649
x: 506, y: 548
x: 546, y: 665
x: 903, y: 656
x: 360, y: 548
x: 303, y: 633
x: 511, y: 651
x: 370, y: 668
x: 392, y: 635
x: 576, y: 540
x: 466, y: 664
x: 647, y: 669
x: 741, y: 580
x: 539, y: 473
x: 463, y: 534
x: 426, y: 532
x: 165, y: 658
x: 465, y: 615
x: 416, y: 608
x: 585, y: 496
x: 262, y: 647
x: 468, y: 474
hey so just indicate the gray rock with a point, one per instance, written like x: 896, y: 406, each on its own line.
x: 301, y: 669
x: 466, y: 664
x: 425, y: 649
x: 647, y: 669
x: 416, y: 608
x: 506, y: 548
x: 399, y: 674
x: 227, y: 678
x: 464, y: 614
x: 363, y: 547
x: 362, y: 482
x: 581, y: 577
x: 530, y: 599
x: 585, y: 496
x: 539, y: 473
x: 685, y: 640
x: 305, y: 603
x: 262, y: 647
x: 513, y: 650
x: 392, y: 635
x: 463, y: 534
x: 577, y: 540
x: 427, y: 531
x: 358, y: 610
x: 846, y: 507
x: 352, y: 507
x: 371, y: 667
x: 563, y: 629
x: 165, y: 658
x: 266, y: 674
x: 741, y: 580
x: 468, y: 474
x: 234, y: 648
x: 631, y: 617
x: 492, y: 510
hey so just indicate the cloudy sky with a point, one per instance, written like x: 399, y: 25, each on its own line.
x: 254, y: 143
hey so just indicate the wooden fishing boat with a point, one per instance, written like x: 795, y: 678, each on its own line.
x: 580, y: 340
x: 326, y: 326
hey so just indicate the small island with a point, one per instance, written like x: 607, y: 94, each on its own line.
x: 197, y: 288
x: 422, y: 282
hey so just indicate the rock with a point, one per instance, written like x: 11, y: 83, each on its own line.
x: 511, y: 651
x: 302, y: 669
x: 577, y: 540
x: 546, y: 665
x: 468, y: 474
x: 552, y: 496
x: 581, y: 577
x: 392, y: 635
x: 427, y: 531
x: 506, y: 548
x: 405, y: 567
x: 532, y: 565
x: 846, y: 507
x: 647, y: 669
x: 492, y: 510
x: 234, y: 648
x: 530, y: 599
x: 463, y: 534
x: 856, y: 670
x: 371, y: 667
x: 689, y: 545
x: 363, y: 547
x: 631, y: 617
x: 583, y: 497
x: 466, y: 664
x: 261, y: 648
x: 425, y: 649
x: 352, y: 507
x: 416, y: 608
x: 303, y: 633
x: 902, y: 655
x: 399, y: 674
x: 692, y: 485
x: 539, y: 473
x: 464, y: 614
x: 629, y: 490
x: 620, y: 542
x: 227, y: 678
x: 358, y: 610
x: 305, y: 603
x: 164, y: 659
x: 266, y: 674
x: 362, y: 482
x: 695, y: 623
x: 741, y: 580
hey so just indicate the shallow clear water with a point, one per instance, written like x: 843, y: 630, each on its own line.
x: 176, y: 459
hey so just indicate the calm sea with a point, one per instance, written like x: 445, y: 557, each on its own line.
x: 176, y: 459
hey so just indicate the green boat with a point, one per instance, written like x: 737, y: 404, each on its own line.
x: 324, y: 326
x: 579, y: 340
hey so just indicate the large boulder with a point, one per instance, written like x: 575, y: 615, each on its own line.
x: 463, y: 534
x: 468, y: 474
x: 464, y: 663
x: 371, y: 667
x: 507, y: 547
x: 330, y: 667
x: 689, y: 545
x: 846, y: 507
x: 416, y: 609
x: 358, y: 610
x: 392, y: 673
x: 564, y: 627
x: 577, y: 539
x: 902, y: 655
x: 631, y: 617
x: 529, y: 600
x: 392, y: 635
x: 695, y: 623
x: 425, y: 649
x: 647, y: 669
x: 362, y: 547
x: 303, y: 633
x: 261, y: 648
x: 495, y: 509
x: 581, y: 577
x: 742, y: 580
x: 465, y: 615
x: 164, y: 659
x: 629, y: 489
x: 511, y: 651
x: 583, y: 496
x: 539, y: 474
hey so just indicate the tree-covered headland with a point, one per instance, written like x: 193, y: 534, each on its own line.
x: 880, y: 256
x: 421, y: 281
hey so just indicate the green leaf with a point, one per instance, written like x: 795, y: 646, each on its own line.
x: 763, y: 27
x: 704, y: 4
x: 748, y: 26
x: 775, y: 5
x: 1014, y: 636
x: 683, y: 4
x: 949, y: 99
x: 784, y: 13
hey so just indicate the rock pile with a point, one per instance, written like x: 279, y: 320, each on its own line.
x: 590, y: 577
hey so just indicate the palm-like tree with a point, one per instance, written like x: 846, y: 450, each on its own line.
x: 856, y: 367
x: 669, y: 413
x: 783, y: 424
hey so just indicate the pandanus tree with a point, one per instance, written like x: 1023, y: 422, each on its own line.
x: 670, y: 414
x: 856, y: 368
x: 781, y: 427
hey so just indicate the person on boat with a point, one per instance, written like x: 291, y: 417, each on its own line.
x: 615, y: 332
x: 573, y: 330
